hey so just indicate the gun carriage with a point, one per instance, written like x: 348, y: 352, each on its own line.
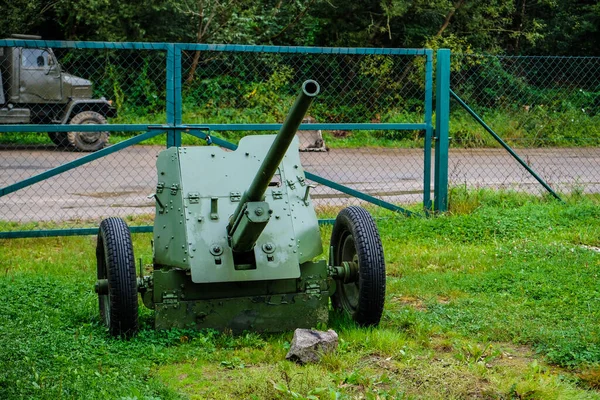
x: 235, y: 244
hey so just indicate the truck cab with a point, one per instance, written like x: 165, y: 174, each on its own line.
x: 36, y: 90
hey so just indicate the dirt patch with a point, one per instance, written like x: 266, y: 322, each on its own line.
x: 410, y: 301
x: 591, y: 377
x: 514, y: 356
x: 385, y: 363
x: 105, y: 195
x: 417, y: 303
x: 445, y: 378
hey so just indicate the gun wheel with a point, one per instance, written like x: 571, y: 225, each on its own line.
x: 116, y: 266
x: 356, y: 244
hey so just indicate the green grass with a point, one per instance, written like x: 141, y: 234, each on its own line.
x: 499, y: 299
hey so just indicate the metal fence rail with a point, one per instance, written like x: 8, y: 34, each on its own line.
x: 546, y: 108
x: 162, y: 93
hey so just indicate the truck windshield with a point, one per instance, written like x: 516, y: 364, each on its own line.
x: 34, y: 58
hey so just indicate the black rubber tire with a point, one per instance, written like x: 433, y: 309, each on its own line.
x: 116, y: 262
x: 59, y: 139
x: 88, y: 141
x: 355, y: 236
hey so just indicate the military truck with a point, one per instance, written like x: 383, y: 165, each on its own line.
x: 34, y: 89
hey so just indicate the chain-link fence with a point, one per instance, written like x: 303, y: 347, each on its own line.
x: 248, y: 87
x: 49, y: 86
x: 370, y: 99
x: 374, y: 114
x: 546, y: 108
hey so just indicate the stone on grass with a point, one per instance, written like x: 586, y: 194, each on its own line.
x: 309, y: 345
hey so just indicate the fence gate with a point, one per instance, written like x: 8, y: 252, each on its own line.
x: 175, y: 95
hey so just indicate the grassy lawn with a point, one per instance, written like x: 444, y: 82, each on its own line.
x: 499, y: 299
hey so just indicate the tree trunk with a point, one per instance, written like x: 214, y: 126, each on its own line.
x: 456, y: 6
x: 439, y: 33
x: 199, y: 35
x: 518, y: 26
x: 195, y: 63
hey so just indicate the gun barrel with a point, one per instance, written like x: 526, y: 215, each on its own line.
x: 284, y: 138
x: 258, y: 187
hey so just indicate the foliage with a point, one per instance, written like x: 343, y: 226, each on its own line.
x: 535, y: 102
x: 496, y: 26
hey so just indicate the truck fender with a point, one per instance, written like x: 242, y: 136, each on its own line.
x: 76, y: 106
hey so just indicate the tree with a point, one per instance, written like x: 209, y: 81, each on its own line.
x: 242, y: 22
x: 25, y: 16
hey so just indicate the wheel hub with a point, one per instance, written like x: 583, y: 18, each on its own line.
x: 101, y: 287
x: 89, y: 137
x: 347, y: 272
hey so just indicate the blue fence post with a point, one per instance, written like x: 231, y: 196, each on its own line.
x: 442, y: 121
x: 428, y: 131
x: 173, y: 136
x: 178, y: 84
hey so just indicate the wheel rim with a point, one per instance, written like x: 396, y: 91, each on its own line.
x: 349, y: 291
x: 89, y: 137
x: 104, y: 299
x: 106, y: 307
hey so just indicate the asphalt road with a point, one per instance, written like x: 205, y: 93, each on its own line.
x: 118, y: 185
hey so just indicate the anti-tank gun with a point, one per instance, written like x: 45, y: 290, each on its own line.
x: 239, y: 256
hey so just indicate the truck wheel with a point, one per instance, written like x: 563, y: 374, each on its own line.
x: 116, y: 266
x: 59, y: 139
x: 355, y: 241
x: 88, y: 141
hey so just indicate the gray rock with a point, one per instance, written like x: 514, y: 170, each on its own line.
x: 309, y: 345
